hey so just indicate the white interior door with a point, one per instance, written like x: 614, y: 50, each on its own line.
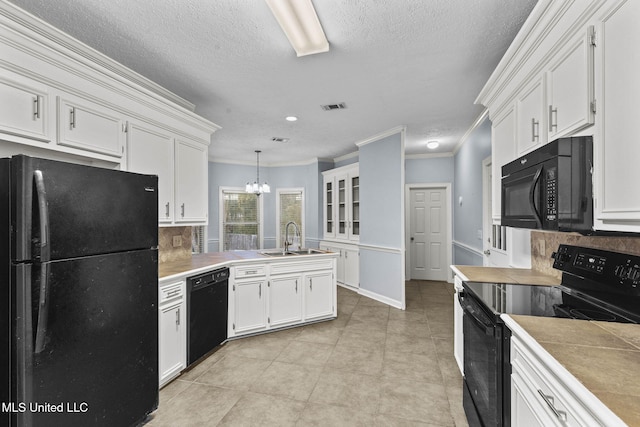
x: 428, y: 233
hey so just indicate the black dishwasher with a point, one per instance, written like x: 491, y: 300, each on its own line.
x: 207, y: 308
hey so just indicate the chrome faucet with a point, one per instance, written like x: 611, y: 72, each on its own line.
x: 286, y: 234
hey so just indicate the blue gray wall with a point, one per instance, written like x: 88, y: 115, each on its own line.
x: 468, y: 185
x: 382, y: 219
x: 428, y: 170
x: 306, y: 176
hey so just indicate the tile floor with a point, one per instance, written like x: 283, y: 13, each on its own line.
x: 372, y: 366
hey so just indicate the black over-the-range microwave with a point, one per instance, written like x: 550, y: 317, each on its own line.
x: 550, y: 188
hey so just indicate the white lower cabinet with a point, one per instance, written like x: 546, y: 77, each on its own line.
x: 250, y: 306
x: 319, y: 295
x: 285, y: 300
x: 272, y: 295
x: 172, y: 334
x: 544, y: 394
x: 458, y: 333
x: 348, y: 262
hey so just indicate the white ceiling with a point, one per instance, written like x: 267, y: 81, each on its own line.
x: 417, y: 63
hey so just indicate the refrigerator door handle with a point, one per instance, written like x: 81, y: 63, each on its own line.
x: 45, y: 256
x: 43, y: 210
x: 43, y: 309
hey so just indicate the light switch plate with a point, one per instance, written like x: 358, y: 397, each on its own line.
x: 177, y: 241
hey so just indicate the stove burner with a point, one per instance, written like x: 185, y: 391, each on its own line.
x: 566, y: 311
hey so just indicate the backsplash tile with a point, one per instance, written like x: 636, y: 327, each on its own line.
x: 166, y: 251
x: 544, y: 243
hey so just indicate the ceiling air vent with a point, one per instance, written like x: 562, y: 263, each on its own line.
x: 340, y: 106
x: 279, y: 139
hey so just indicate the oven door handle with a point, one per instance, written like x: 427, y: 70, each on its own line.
x: 488, y: 328
x: 532, y: 196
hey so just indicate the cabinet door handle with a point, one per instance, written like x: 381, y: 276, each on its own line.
x: 182, y: 210
x: 535, y: 125
x: 296, y: 286
x: 72, y: 118
x: 166, y: 208
x: 549, y: 401
x: 260, y: 290
x: 36, y: 107
x: 553, y: 111
x: 178, y: 317
x: 310, y: 283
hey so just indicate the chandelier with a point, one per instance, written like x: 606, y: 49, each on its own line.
x: 257, y: 188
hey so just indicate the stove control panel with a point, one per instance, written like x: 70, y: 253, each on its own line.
x: 622, y: 270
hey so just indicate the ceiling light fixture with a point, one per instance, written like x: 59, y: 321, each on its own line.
x: 291, y: 118
x: 432, y: 145
x: 257, y: 188
x: 301, y: 25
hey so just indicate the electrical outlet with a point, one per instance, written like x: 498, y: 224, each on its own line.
x: 541, y: 247
x: 177, y: 241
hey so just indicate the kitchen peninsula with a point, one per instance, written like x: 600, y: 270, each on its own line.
x: 268, y: 291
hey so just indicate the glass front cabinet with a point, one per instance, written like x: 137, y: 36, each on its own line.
x: 342, y: 203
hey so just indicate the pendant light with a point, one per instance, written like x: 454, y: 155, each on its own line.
x: 257, y: 188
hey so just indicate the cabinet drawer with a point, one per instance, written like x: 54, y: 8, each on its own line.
x: 171, y: 292
x: 294, y: 267
x: 250, y: 271
x: 550, y: 394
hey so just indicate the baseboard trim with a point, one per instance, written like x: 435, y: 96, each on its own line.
x: 381, y: 298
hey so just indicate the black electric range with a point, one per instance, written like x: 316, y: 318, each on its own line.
x: 596, y: 285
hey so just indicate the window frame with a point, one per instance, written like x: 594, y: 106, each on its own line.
x: 221, y: 193
x: 294, y: 190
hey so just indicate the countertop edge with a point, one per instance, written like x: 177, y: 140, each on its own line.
x: 231, y: 262
x: 459, y: 273
x: 596, y: 407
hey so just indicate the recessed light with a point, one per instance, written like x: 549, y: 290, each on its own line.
x: 291, y: 118
x: 432, y: 145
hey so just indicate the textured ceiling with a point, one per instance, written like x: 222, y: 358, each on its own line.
x: 417, y: 63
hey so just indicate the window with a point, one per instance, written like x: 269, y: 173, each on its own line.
x: 290, y: 205
x: 241, y: 218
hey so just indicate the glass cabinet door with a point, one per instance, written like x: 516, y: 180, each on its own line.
x: 355, y: 206
x: 342, y: 207
x: 329, y: 222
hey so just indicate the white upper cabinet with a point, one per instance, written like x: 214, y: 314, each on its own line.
x: 61, y: 99
x: 88, y: 126
x: 570, y: 87
x: 150, y: 151
x: 24, y: 110
x: 531, y: 130
x: 191, y: 182
x: 342, y: 203
x: 503, y: 151
x: 617, y: 150
x: 579, y: 61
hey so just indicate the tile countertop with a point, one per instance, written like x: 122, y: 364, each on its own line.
x: 202, y: 262
x: 602, y: 356
x: 524, y: 276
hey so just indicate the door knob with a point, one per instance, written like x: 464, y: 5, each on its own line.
x: 412, y: 239
x: 487, y: 252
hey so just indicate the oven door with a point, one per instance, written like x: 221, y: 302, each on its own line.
x: 521, y: 198
x: 483, y: 365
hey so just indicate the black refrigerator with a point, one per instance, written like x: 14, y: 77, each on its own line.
x: 79, y: 294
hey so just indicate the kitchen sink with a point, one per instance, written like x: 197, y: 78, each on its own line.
x: 302, y: 251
